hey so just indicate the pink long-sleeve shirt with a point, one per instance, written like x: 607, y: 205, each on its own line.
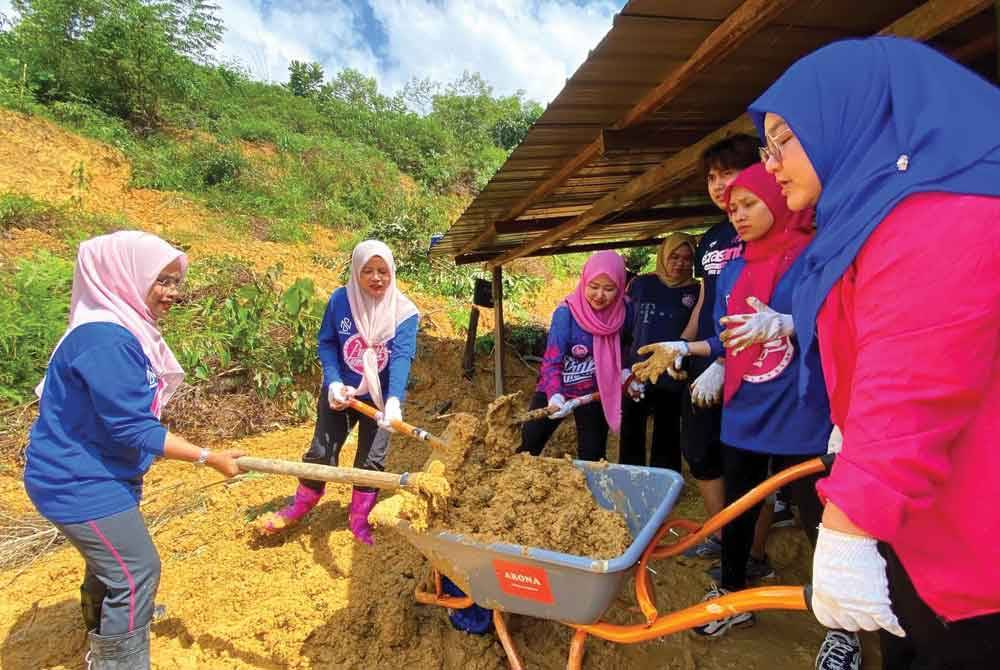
x: 910, y: 345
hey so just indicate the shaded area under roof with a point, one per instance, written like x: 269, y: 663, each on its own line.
x: 611, y: 163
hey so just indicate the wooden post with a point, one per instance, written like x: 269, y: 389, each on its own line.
x: 499, y: 346
x: 469, y: 359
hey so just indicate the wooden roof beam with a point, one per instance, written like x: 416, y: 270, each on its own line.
x: 923, y: 23
x: 744, y: 22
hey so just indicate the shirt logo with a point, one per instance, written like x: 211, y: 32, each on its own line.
x: 775, y: 356
x: 345, y: 326
x: 689, y: 300
x: 575, y: 371
x: 354, y: 349
x: 646, y: 309
x: 152, y: 379
x: 580, y: 351
x: 714, y: 261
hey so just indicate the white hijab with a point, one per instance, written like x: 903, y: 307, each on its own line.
x: 375, y: 318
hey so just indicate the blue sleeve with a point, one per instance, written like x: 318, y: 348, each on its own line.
x: 727, y: 278
x: 328, y: 347
x: 116, y: 381
x: 404, y: 348
x: 550, y: 375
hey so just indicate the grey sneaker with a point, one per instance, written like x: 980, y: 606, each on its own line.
x: 710, y: 547
x: 720, y: 627
x: 841, y: 650
x: 757, y: 570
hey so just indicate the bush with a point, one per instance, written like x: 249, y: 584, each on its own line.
x: 34, y: 307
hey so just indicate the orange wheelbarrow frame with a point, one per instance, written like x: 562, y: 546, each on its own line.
x: 657, y: 625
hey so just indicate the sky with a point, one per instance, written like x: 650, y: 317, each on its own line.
x: 531, y: 45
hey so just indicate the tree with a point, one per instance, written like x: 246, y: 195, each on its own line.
x: 126, y: 56
x: 304, y: 79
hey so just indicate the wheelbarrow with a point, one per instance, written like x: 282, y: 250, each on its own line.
x: 577, y: 590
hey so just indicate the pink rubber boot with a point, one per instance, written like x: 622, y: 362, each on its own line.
x: 361, y: 504
x: 305, y: 499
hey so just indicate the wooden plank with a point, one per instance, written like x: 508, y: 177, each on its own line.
x: 749, y: 17
x: 499, y: 345
x: 923, y: 23
x: 934, y: 17
x: 674, y: 169
x: 469, y: 357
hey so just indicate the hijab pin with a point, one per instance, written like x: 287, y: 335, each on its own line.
x: 903, y: 162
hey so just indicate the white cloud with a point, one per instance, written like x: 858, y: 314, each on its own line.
x: 514, y: 44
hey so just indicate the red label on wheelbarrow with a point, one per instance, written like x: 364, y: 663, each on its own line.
x: 523, y: 581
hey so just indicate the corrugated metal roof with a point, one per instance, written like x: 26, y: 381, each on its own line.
x: 648, y: 41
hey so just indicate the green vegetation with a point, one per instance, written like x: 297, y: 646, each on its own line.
x: 273, y: 161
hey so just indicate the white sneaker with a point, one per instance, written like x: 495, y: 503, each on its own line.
x: 719, y: 627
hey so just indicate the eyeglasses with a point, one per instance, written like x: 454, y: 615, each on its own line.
x: 169, y: 283
x: 774, y: 144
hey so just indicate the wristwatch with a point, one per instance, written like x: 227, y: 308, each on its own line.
x: 203, y: 456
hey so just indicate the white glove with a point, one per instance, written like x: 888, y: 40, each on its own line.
x: 559, y: 401
x: 762, y: 325
x: 707, y: 388
x: 338, y: 395
x: 850, y: 587
x: 634, y: 388
x: 390, y: 413
x: 836, y: 441
x: 664, y: 357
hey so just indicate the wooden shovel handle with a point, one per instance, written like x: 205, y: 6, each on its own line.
x: 544, y: 412
x: 323, y: 473
x: 399, y: 426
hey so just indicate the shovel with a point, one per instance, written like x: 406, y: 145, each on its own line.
x: 399, y: 426
x: 544, y: 412
x: 430, y: 485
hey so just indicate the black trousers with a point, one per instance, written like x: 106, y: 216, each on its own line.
x: 665, y: 451
x: 591, y: 430
x: 930, y: 643
x: 742, y: 471
x: 332, y: 430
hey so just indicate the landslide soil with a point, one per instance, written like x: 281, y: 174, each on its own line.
x: 313, y: 598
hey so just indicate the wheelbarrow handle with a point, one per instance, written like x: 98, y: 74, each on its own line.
x: 399, y: 426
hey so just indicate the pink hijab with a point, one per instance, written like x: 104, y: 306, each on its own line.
x: 376, y: 318
x: 605, y: 325
x: 112, y: 277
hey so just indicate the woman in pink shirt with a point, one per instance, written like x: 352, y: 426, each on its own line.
x: 898, y: 149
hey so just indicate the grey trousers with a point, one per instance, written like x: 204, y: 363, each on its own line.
x: 332, y: 429
x: 122, y: 573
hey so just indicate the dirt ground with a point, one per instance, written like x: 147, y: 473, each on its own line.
x: 313, y: 598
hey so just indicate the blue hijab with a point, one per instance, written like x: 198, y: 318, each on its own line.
x: 881, y: 119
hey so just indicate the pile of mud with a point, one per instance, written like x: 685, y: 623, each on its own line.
x: 502, y: 496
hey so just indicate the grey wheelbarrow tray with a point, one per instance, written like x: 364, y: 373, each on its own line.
x: 549, y: 584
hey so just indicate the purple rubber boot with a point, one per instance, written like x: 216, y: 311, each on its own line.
x: 305, y: 499
x: 361, y: 504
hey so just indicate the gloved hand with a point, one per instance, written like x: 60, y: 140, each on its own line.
x: 634, y: 388
x: 339, y: 395
x: 850, y: 587
x: 835, y: 442
x: 563, y: 407
x: 762, y: 325
x: 391, y: 412
x: 707, y: 388
x: 664, y: 357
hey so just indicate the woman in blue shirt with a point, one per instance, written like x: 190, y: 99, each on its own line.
x: 662, y: 303
x: 98, y: 432
x: 763, y: 421
x: 366, y: 344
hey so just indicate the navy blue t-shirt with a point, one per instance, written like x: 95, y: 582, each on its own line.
x: 718, y: 246
x: 766, y: 414
x: 661, y: 313
x: 95, y: 435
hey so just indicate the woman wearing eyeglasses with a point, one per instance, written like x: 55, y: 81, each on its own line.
x: 898, y: 149
x: 98, y: 431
